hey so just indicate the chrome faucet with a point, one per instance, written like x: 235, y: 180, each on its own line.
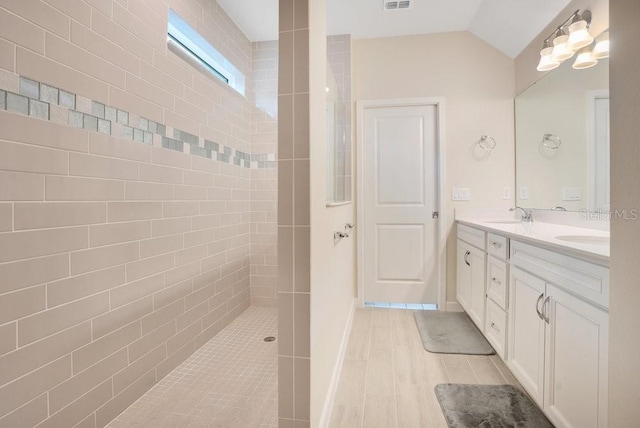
x: 527, y: 214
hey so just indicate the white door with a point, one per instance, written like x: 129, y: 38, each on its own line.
x: 400, y: 196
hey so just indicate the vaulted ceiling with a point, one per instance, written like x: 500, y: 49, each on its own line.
x: 508, y: 25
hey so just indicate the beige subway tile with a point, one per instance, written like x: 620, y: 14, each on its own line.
x: 149, y: 266
x: 17, y: 275
x: 131, y: 211
x: 29, y: 244
x: 186, y: 335
x: 21, y: 31
x: 285, y: 193
x: 156, y: 246
x: 160, y: 174
x: 286, y: 63
x: 135, y: 191
x: 26, y: 158
x: 159, y: 77
x: 190, y: 110
x: 190, y: 193
x: 79, y: 59
x: 102, y: 167
x: 149, y: 92
x: 180, y: 209
x: 302, y: 320
x: 53, y: 73
x: 172, y: 294
x: 83, y: 189
x: 198, y: 237
x: 6, y: 217
x: 301, y: 132
x: 202, y: 222
x: 81, y: 408
x: 151, y: 340
x: 103, y: 257
x: 54, y: 214
x: 140, y: 29
x: 80, y: 12
x: 46, y: 323
x: 7, y: 55
x: 106, y: 145
x: 302, y: 256
x: 115, y: 233
x: 28, y: 415
x: 123, y: 400
x: 22, y: 303
x: 110, y: 30
x: 286, y: 325
x: 138, y: 368
x: 18, y: 186
x: 302, y: 387
x: 182, y: 122
x: 99, y: 349
x: 175, y: 359
x: 301, y: 61
x: 42, y: 15
x: 285, y: 258
x: 136, y: 290
x: 117, y: 318
x: 195, y: 178
x: 133, y: 103
x: 182, y: 273
x: 92, y: 41
x: 8, y: 341
x: 77, y: 287
x: 170, y: 226
x: 28, y: 387
x: 161, y: 316
x: 81, y: 383
x: 30, y: 357
x: 301, y: 14
x: 209, y: 332
x: 189, y: 255
x: 301, y: 192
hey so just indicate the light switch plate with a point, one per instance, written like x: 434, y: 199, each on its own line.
x: 523, y: 193
x: 571, y: 193
x: 460, y: 194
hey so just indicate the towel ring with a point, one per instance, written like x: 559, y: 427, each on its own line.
x: 551, y: 141
x: 487, y: 143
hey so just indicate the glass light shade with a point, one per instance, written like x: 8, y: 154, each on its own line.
x: 601, y: 49
x: 547, y: 62
x: 584, y: 59
x: 579, y: 36
x: 560, y: 50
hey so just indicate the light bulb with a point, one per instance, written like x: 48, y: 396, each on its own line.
x: 601, y: 49
x: 547, y: 62
x: 584, y: 59
x: 560, y: 50
x: 579, y: 36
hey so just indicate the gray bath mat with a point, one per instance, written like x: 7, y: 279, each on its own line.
x: 488, y: 406
x: 451, y: 333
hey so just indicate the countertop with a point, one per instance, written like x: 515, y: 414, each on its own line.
x: 545, y: 235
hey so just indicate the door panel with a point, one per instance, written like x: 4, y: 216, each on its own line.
x: 400, y: 195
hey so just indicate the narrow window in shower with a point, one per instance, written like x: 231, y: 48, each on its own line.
x: 188, y: 44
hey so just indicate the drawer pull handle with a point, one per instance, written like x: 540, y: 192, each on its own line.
x: 493, y: 326
x: 496, y: 244
x: 465, y: 258
x: 538, y: 309
x: 496, y: 280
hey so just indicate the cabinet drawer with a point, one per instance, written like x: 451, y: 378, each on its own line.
x: 497, y: 279
x: 496, y: 327
x: 498, y: 246
x: 475, y: 237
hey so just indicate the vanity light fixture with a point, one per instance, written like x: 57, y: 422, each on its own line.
x: 568, y: 37
x: 584, y: 59
x: 601, y: 49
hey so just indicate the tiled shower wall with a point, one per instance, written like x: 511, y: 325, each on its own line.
x: 127, y: 207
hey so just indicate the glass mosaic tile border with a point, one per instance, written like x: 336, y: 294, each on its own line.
x: 42, y: 101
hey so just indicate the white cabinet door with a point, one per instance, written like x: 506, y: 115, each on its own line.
x: 463, y: 288
x: 526, y: 329
x: 470, y: 290
x: 576, y: 361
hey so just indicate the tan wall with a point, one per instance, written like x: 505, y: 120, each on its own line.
x: 121, y: 254
x: 624, y: 346
x: 526, y: 62
x: 476, y: 82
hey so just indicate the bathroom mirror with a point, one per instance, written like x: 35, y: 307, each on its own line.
x: 339, y: 128
x: 562, y: 140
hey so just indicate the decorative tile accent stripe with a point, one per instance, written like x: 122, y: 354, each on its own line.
x: 46, y: 102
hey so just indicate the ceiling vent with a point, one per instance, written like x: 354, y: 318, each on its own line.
x: 396, y: 5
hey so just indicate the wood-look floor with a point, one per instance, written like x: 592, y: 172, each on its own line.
x: 388, y: 378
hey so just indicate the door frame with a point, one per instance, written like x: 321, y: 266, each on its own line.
x: 441, y: 235
x: 592, y: 97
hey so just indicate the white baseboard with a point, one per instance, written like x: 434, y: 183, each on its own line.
x: 453, y: 307
x: 337, y: 370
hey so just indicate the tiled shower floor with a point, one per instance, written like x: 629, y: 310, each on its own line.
x: 231, y: 381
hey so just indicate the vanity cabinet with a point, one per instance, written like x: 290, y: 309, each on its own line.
x: 471, y: 259
x: 495, y: 328
x: 558, y: 334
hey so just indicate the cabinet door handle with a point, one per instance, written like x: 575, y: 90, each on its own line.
x: 496, y: 280
x: 493, y: 326
x: 465, y: 258
x: 496, y: 244
x: 538, y: 305
x: 544, y: 309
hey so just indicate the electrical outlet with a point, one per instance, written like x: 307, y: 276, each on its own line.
x: 523, y: 193
x: 460, y: 194
x: 506, y: 193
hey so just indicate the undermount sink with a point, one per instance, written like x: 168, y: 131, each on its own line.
x: 504, y: 221
x: 585, y: 239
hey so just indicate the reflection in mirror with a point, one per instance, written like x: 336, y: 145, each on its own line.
x: 338, y: 119
x: 562, y: 140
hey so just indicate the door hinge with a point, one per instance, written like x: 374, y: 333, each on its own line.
x: 435, y: 214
